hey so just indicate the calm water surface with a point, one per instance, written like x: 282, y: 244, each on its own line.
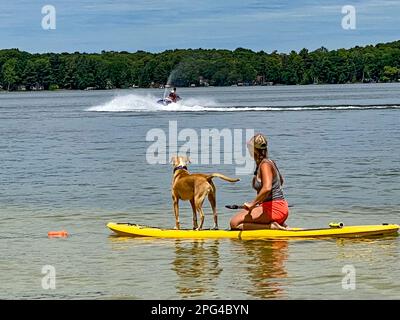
x: 76, y: 160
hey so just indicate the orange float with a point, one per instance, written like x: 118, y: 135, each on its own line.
x: 57, y: 234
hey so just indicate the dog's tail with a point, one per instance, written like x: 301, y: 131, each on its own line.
x: 221, y: 176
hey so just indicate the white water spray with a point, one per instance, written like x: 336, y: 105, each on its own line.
x: 148, y: 103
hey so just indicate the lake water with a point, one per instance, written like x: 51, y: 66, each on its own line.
x: 77, y: 160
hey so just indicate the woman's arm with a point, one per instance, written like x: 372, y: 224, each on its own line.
x: 266, y: 181
x: 280, y: 175
x: 253, y: 182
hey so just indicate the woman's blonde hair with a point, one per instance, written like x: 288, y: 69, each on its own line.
x: 258, y: 143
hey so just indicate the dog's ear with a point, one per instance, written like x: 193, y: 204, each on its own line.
x: 173, y: 160
x: 188, y: 159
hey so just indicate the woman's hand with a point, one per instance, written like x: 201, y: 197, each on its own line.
x: 249, y: 206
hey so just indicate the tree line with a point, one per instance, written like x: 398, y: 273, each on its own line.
x: 194, y: 67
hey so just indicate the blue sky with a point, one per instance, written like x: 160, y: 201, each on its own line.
x: 153, y: 25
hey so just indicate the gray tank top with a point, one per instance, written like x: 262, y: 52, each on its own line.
x: 276, y: 192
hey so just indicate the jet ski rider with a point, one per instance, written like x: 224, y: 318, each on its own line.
x: 173, y: 96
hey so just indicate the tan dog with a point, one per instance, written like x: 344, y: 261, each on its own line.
x: 194, y: 187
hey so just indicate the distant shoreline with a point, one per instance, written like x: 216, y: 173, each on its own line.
x: 23, y: 71
x: 253, y: 86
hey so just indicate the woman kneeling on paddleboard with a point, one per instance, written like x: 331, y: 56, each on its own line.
x: 269, y: 210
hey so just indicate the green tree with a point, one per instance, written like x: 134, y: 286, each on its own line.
x: 273, y: 68
x: 9, y: 74
x: 294, y: 69
x: 43, y: 72
x: 391, y: 73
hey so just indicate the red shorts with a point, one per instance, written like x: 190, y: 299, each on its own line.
x: 276, y: 210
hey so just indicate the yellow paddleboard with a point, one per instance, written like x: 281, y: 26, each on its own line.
x: 133, y: 230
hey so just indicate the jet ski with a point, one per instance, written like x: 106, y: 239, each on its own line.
x: 166, y: 101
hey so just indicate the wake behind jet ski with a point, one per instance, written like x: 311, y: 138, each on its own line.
x: 172, y: 98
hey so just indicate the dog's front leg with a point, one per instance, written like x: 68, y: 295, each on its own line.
x: 201, y: 218
x: 176, y: 211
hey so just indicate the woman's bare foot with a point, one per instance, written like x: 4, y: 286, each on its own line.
x: 286, y: 227
x: 277, y: 226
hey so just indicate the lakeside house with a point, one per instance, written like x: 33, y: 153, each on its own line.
x: 203, y: 82
x: 36, y: 87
